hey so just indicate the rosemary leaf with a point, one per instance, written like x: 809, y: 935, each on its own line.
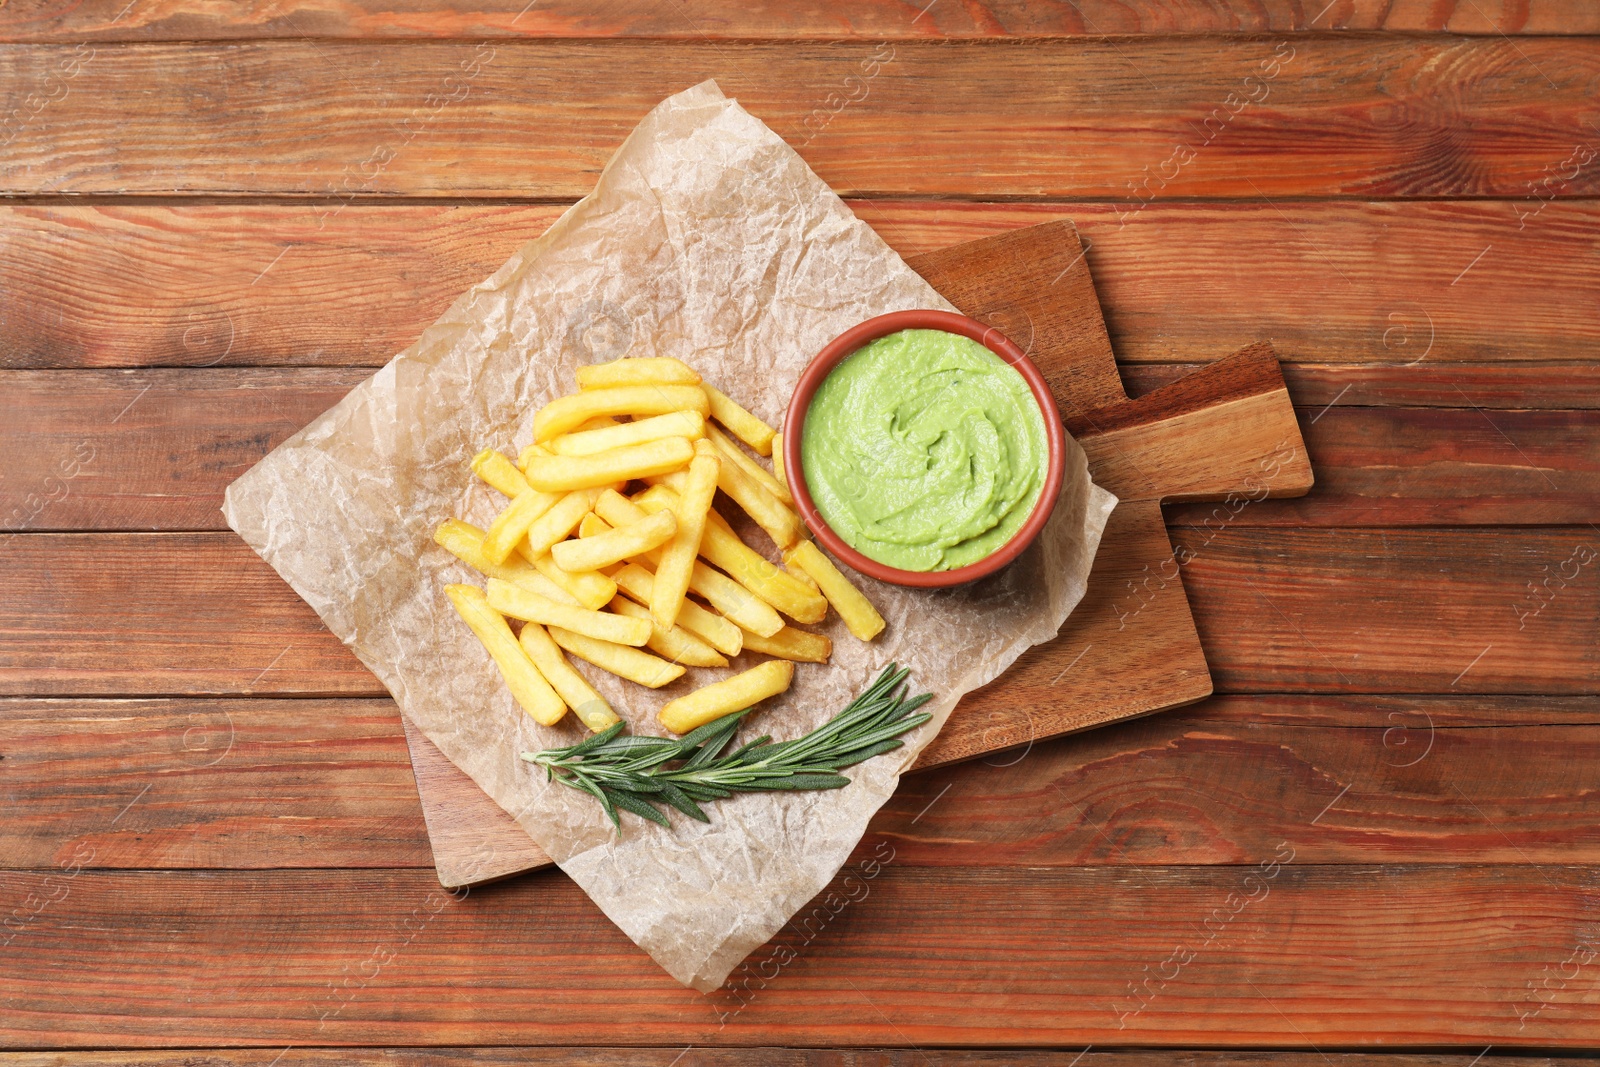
x: 633, y: 772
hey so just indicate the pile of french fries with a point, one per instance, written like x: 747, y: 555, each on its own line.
x: 590, y: 571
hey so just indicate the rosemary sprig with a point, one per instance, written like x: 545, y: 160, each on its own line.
x: 635, y: 773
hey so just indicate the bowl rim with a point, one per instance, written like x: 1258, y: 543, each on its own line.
x: 846, y: 344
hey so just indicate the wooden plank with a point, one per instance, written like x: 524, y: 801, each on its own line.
x: 1468, y: 610
x: 262, y: 784
x: 1277, y: 610
x: 1333, y: 115
x: 1184, y: 283
x: 109, y: 20
x: 208, y: 783
x: 1388, y: 467
x: 760, y: 1057
x: 1389, y: 955
x: 155, y: 614
x: 1503, y: 385
x: 153, y: 450
x: 257, y: 784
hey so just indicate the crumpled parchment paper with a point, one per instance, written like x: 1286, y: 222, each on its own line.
x: 709, y: 239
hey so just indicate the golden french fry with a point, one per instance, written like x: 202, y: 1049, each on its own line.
x: 853, y: 607
x: 620, y: 660
x: 771, y: 514
x: 565, y: 473
x: 572, y: 687
x: 777, y: 460
x: 519, y: 603
x: 555, y: 524
x: 591, y: 525
x: 616, y: 544
x: 734, y: 601
x: 678, y: 557
x: 802, y: 577
x: 727, y: 696
x: 591, y: 589
x: 465, y: 541
x: 499, y: 472
x: 771, y: 484
x: 673, y: 642
x: 722, y: 548
x: 527, y: 685
x: 686, y: 424
x: 637, y: 371
x: 743, y: 425
x: 511, y: 525
x: 716, y: 631
x: 527, y: 454
x: 598, y: 423
x: 791, y: 643
x: 674, y: 480
x: 569, y: 412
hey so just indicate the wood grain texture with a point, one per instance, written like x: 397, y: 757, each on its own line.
x: 126, y: 285
x: 259, y: 784
x: 1226, y: 430
x: 763, y: 1057
x: 1403, y: 956
x: 1277, y: 610
x: 1467, y: 610
x: 1354, y: 779
x: 1357, y: 117
x: 110, y: 20
x: 471, y: 839
x: 154, y: 449
x: 202, y: 783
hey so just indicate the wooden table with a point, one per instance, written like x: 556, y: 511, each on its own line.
x: 1380, y: 834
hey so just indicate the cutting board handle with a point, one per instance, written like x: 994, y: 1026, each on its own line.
x: 1228, y: 429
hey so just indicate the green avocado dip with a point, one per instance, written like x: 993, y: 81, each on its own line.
x: 924, y: 450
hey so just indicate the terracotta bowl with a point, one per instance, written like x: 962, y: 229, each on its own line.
x: 847, y: 343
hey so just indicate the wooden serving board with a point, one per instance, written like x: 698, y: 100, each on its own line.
x: 1224, y: 433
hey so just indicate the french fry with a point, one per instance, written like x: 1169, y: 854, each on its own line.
x: 519, y: 603
x: 771, y: 514
x: 678, y: 557
x: 598, y: 423
x: 511, y: 525
x: 565, y: 473
x: 591, y: 525
x: 721, y: 547
x: 727, y: 696
x: 499, y: 472
x: 569, y: 412
x: 755, y: 470
x: 850, y: 602
x: 620, y: 660
x: 854, y: 608
x: 572, y: 687
x: 743, y: 425
x: 616, y: 544
x: 674, y: 480
x: 555, y: 524
x: 636, y: 371
x: 591, y: 589
x: 673, y: 642
x: 465, y: 542
x: 791, y: 643
x: 777, y: 459
x: 802, y: 577
x: 738, y: 604
x: 687, y: 424
x: 527, y: 685
x: 715, y: 630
